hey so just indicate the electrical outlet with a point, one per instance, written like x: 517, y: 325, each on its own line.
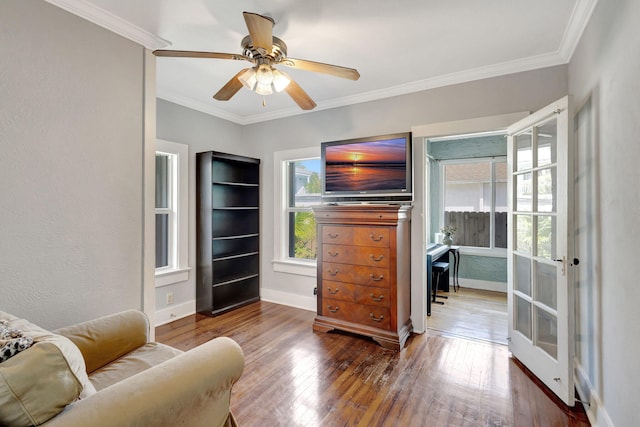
x: 169, y: 298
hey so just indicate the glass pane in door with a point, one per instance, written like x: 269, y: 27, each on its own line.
x: 546, y: 284
x: 545, y: 241
x: 524, y: 152
x: 524, y: 191
x: 523, y: 274
x: 523, y: 316
x: 522, y: 224
x: 546, y: 143
x: 546, y: 196
x: 546, y: 332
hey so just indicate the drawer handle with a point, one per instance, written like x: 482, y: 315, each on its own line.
x: 334, y: 309
x: 380, y: 237
x: 333, y: 292
x: 377, y: 299
x: 376, y: 319
x: 334, y: 254
x: 334, y: 273
x: 378, y: 259
x: 333, y: 235
x: 376, y: 279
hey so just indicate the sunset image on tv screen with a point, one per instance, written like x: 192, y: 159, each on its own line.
x: 366, y: 166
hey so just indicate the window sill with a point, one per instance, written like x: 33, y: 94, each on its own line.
x: 169, y: 277
x: 301, y: 268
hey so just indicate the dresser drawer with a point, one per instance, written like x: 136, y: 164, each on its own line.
x: 338, y: 290
x: 378, y: 297
x: 337, y: 235
x: 377, y: 317
x: 358, y: 274
x: 358, y: 255
x: 370, y: 236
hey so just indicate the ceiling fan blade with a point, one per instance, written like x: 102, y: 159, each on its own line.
x: 319, y: 67
x: 260, y: 29
x: 193, y: 54
x: 299, y: 95
x: 231, y: 88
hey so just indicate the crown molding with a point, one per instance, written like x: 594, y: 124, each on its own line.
x: 197, y: 105
x: 577, y: 23
x: 111, y: 22
x: 510, y: 67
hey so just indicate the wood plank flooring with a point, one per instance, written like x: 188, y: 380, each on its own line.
x: 296, y: 377
x: 471, y: 313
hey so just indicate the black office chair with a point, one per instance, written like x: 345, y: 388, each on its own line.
x: 438, y: 270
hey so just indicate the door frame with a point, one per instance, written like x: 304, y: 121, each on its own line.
x: 421, y: 206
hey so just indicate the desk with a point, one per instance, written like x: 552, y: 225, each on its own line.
x: 435, y: 252
x: 455, y: 251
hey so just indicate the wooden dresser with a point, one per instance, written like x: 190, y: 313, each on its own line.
x: 364, y: 277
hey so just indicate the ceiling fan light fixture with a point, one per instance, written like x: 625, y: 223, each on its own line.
x: 262, y: 89
x: 264, y: 75
x: 280, y: 81
x: 248, y: 79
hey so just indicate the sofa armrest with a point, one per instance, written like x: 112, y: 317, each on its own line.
x: 107, y: 338
x: 192, y: 389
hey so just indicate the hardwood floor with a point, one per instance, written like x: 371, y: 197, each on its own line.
x: 472, y: 313
x: 296, y: 377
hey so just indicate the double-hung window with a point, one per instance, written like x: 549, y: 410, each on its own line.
x: 303, y: 191
x: 299, y: 184
x: 171, y: 212
x: 475, y: 201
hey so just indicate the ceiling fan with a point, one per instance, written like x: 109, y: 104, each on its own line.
x: 264, y: 50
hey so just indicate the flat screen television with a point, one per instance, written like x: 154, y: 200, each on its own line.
x: 371, y: 169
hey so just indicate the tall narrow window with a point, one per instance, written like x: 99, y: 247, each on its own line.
x: 165, y: 210
x: 304, y: 188
x: 172, y: 212
x: 475, y: 202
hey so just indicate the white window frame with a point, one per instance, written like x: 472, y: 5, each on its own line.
x: 282, y: 262
x: 178, y: 268
x: 475, y: 250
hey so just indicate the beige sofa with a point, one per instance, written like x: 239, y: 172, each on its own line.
x: 105, y: 372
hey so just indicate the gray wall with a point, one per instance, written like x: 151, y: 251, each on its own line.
x: 508, y: 94
x: 605, y: 69
x: 71, y: 169
x: 201, y: 132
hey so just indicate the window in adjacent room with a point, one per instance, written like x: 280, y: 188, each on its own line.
x: 171, y: 203
x: 475, y: 201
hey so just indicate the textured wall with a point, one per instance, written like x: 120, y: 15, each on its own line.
x: 605, y: 67
x: 71, y: 166
x: 201, y: 132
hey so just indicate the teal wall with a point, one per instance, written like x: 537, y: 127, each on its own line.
x: 491, y: 269
x: 476, y: 267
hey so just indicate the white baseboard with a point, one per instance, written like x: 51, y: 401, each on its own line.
x: 175, y: 312
x: 596, y: 412
x: 480, y: 284
x: 292, y: 300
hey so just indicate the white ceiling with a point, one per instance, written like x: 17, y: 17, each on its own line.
x: 397, y: 46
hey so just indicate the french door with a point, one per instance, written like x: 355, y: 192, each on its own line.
x: 540, y: 300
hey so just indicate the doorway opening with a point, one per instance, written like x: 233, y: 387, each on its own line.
x: 467, y: 196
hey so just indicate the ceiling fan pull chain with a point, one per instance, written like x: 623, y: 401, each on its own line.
x: 264, y: 101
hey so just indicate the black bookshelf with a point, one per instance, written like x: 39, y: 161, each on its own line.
x: 228, y: 232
